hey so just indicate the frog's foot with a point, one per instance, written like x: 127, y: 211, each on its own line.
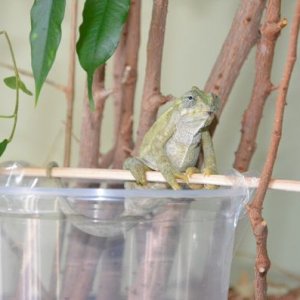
x: 208, y: 172
x: 171, y: 176
x: 189, y: 172
x: 138, y: 169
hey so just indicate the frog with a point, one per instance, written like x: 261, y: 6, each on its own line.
x: 172, y: 146
x: 173, y: 143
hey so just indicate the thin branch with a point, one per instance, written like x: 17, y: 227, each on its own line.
x: 128, y: 83
x: 152, y: 98
x: 70, y: 92
x: 255, y: 208
x: 152, y: 176
x: 262, y: 88
x: 243, y: 35
x: 118, y: 70
x: 105, y: 160
x: 50, y: 82
x: 91, y: 123
x: 280, y: 105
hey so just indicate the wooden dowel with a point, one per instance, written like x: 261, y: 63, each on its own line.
x: 123, y: 175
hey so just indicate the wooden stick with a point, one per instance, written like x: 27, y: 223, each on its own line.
x: 123, y: 175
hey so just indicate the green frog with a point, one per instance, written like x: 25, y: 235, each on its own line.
x: 173, y: 144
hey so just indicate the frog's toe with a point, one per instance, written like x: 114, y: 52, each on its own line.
x: 175, y: 186
x: 140, y: 181
x: 194, y: 186
x: 140, y: 176
x: 182, y: 176
x: 191, y: 171
x: 138, y: 169
x: 171, y: 180
x: 171, y: 175
x: 210, y: 187
x: 208, y: 172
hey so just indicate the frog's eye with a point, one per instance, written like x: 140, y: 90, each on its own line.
x: 189, y: 101
x: 189, y: 98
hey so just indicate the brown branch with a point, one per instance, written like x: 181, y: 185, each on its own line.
x: 80, y: 243
x: 70, y: 92
x: 255, y: 208
x: 243, y: 35
x: 86, y: 268
x: 105, y: 160
x: 152, y: 98
x: 75, y: 252
x: 270, y: 31
x: 118, y: 70
x: 91, y: 123
x: 128, y: 85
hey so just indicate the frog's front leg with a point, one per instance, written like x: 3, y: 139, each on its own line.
x: 209, y: 158
x: 209, y: 163
x: 138, y: 169
x: 169, y: 172
x: 161, y: 159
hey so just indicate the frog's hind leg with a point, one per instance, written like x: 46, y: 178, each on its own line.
x: 137, y: 168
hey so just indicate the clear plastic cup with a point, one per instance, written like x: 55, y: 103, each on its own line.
x: 73, y: 243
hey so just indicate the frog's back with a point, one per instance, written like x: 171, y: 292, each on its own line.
x: 154, y: 134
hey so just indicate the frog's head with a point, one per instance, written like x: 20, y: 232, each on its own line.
x: 198, y: 106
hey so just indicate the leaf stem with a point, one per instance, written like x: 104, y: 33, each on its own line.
x: 15, y: 113
x: 7, y: 116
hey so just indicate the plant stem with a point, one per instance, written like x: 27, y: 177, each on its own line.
x: 70, y: 92
x: 258, y: 224
x: 262, y: 88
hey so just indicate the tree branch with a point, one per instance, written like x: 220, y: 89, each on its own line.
x: 128, y: 85
x: 118, y: 71
x: 152, y: 98
x: 255, y: 208
x: 91, y: 123
x: 270, y: 31
x: 243, y: 35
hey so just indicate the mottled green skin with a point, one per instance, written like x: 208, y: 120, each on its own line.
x: 172, y: 145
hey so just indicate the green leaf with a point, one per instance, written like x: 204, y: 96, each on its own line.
x: 100, y: 32
x: 45, y: 36
x: 3, y: 145
x: 11, y: 82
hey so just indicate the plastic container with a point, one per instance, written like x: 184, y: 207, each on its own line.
x: 67, y: 243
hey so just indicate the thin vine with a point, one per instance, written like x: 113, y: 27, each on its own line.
x: 13, y: 82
